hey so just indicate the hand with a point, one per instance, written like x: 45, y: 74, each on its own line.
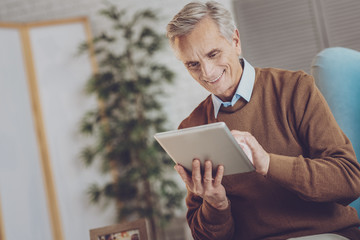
x: 211, y: 190
x: 260, y: 158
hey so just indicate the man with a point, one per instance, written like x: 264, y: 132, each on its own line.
x: 306, y: 170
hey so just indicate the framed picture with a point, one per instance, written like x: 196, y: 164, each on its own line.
x: 136, y: 230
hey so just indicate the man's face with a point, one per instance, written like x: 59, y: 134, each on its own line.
x: 211, y: 60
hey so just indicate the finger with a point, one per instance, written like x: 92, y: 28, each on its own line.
x: 235, y: 132
x: 239, y: 136
x: 196, y: 174
x: 240, y: 133
x: 248, y: 152
x: 261, y: 158
x: 184, y: 175
x: 253, y: 144
x: 208, y: 175
x: 219, y: 176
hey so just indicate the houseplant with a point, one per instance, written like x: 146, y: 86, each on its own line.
x: 127, y: 85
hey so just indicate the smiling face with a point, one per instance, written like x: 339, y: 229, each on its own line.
x: 211, y: 60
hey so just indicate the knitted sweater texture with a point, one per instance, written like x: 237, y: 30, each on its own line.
x: 313, y: 173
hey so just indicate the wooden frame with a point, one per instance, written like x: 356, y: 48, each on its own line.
x: 136, y: 230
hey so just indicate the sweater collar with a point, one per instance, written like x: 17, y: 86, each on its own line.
x: 244, y: 89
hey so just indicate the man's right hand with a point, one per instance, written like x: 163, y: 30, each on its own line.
x: 207, y: 187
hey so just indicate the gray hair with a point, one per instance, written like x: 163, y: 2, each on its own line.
x: 192, y: 13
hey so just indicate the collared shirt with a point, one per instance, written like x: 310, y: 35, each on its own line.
x: 243, y: 90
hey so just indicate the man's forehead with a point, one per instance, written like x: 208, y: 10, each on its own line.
x: 190, y: 50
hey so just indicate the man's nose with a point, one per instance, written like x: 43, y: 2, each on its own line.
x: 207, y: 69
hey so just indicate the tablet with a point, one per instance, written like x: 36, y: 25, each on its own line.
x: 212, y: 141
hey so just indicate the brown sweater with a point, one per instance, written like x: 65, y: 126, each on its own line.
x: 313, y: 171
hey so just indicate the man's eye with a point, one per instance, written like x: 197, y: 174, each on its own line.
x: 192, y: 65
x: 213, y: 54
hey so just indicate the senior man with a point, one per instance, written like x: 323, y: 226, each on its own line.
x: 306, y: 169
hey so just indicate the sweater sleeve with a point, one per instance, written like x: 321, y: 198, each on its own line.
x: 328, y: 171
x: 206, y: 222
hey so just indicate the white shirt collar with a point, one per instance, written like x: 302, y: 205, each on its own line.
x: 244, y: 90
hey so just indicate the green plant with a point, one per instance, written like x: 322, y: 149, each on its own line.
x: 127, y: 85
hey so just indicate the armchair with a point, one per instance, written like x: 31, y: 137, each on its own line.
x: 337, y: 74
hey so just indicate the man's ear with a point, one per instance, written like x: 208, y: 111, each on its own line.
x: 236, y: 42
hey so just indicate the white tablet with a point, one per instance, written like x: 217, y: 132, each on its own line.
x: 206, y: 142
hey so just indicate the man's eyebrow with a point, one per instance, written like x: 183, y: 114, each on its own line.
x: 216, y: 50
x: 213, y: 51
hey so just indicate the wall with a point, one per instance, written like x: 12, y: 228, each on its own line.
x: 288, y: 34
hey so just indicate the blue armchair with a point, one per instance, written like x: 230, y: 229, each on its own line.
x: 337, y: 74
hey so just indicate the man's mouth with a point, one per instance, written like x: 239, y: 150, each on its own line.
x: 216, y: 79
